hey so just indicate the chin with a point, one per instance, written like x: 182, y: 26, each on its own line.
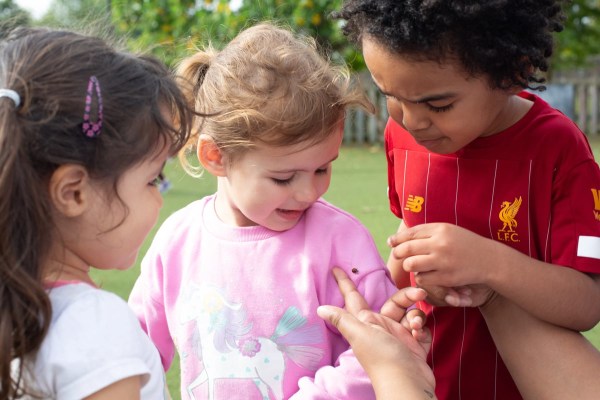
x: 125, y: 265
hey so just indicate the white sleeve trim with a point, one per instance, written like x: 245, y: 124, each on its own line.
x: 102, y: 378
x: 589, y: 246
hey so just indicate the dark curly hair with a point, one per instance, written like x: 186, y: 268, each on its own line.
x: 509, y: 41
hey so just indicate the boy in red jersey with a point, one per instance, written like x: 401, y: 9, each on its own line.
x: 497, y: 191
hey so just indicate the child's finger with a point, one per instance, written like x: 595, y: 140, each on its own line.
x: 416, y: 319
x: 459, y: 297
x: 395, y: 307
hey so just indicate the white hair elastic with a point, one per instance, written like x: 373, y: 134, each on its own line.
x: 11, y: 94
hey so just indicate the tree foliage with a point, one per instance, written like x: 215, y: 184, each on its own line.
x: 171, y: 26
x: 76, y: 14
x: 581, y: 37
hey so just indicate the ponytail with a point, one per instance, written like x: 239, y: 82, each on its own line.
x: 25, y: 309
x: 192, y: 71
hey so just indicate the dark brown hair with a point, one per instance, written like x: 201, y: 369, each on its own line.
x: 143, y: 110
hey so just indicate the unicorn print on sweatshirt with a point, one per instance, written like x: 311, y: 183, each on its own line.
x: 228, y: 349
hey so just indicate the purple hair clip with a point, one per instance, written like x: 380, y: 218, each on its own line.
x: 92, y: 128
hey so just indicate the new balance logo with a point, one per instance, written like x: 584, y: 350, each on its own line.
x: 414, y: 203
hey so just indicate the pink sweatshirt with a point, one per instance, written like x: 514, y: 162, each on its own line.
x: 239, y: 303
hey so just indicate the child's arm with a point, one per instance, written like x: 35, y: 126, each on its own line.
x: 540, y: 355
x: 125, y: 389
x: 451, y: 256
x: 146, y: 302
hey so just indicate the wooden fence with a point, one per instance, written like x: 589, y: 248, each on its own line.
x: 585, y: 87
x: 363, y: 127
x: 576, y: 93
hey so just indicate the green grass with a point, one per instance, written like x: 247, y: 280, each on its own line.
x: 358, y: 185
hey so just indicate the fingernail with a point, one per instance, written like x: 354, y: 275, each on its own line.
x: 324, y: 312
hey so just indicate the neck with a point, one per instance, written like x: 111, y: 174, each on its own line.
x: 516, y: 108
x: 64, y: 266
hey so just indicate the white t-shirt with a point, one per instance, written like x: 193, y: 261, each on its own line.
x: 94, y: 340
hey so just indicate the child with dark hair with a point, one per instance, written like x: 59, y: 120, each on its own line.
x: 84, y: 133
x: 499, y: 193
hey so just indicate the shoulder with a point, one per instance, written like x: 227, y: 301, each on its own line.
x: 552, y: 136
x: 186, y: 216
x: 91, y: 310
x: 326, y: 210
x: 544, y: 120
x: 324, y: 216
x: 94, y: 340
x: 180, y: 225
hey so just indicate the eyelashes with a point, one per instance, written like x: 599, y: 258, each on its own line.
x: 429, y: 106
x: 440, y: 109
x: 158, y: 180
x: 287, y: 181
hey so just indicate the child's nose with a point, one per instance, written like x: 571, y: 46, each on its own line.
x: 414, y: 120
x: 307, y: 193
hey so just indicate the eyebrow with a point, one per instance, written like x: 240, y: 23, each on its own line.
x: 287, y: 171
x: 426, y: 99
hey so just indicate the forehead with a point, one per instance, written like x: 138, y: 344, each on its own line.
x: 385, y: 62
x: 409, y: 74
x: 302, y: 155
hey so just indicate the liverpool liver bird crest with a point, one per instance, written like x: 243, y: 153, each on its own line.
x: 508, y: 213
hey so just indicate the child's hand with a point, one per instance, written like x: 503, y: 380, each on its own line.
x: 471, y: 296
x: 446, y: 255
x: 464, y: 296
x: 440, y: 296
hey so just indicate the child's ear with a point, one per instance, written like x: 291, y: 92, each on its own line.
x: 210, y: 156
x: 68, y: 189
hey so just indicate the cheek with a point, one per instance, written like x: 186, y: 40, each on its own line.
x: 323, y: 184
x: 159, y: 201
x: 395, y: 111
x: 154, y: 206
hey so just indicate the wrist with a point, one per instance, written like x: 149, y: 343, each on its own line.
x: 492, y: 304
x: 394, y: 382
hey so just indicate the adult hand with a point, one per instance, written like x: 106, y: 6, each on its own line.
x: 394, y: 359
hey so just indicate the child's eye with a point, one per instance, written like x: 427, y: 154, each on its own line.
x: 440, y: 109
x: 282, y: 182
x: 158, y: 180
